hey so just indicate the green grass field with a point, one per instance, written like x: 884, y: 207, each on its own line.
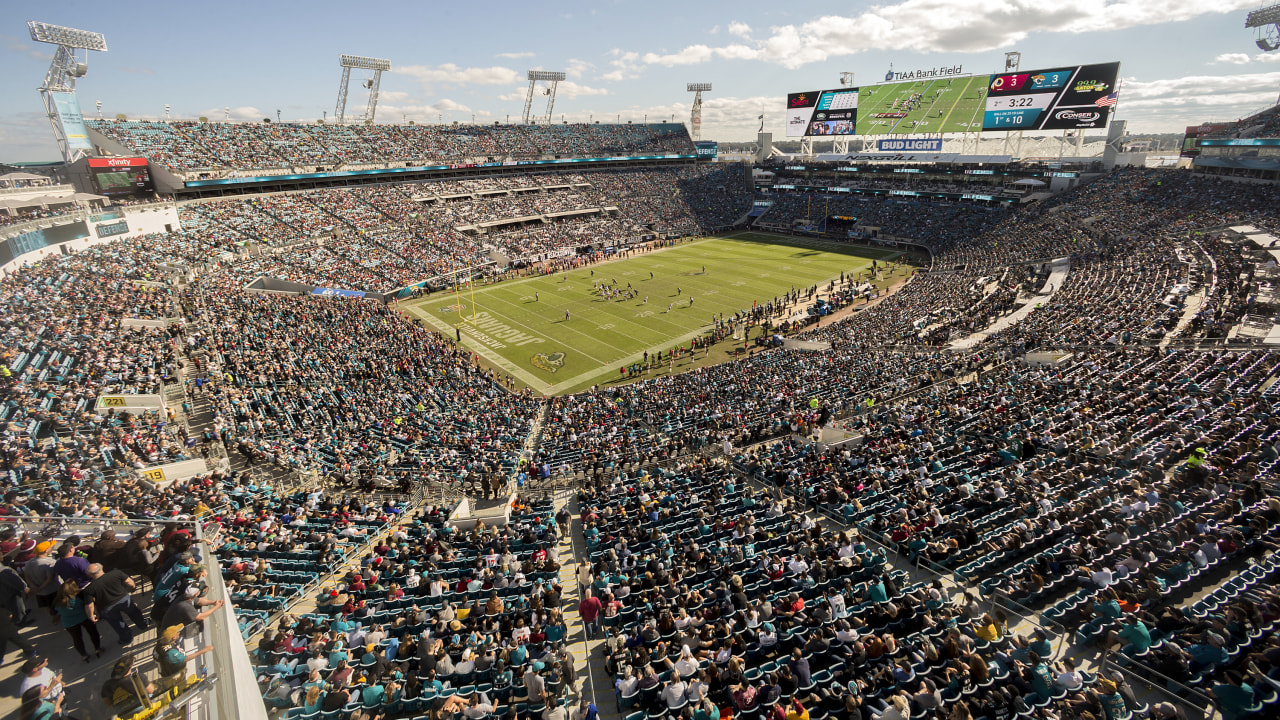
x: 520, y: 325
x: 961, y: 102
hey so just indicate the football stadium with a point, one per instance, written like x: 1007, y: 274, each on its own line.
x: 357, y: 419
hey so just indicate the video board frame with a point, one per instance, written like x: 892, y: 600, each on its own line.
x: 1063, y: 98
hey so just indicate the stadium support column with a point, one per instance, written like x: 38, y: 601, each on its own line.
x: 59, y: 90
x: 534, y: 77
x: 806, y: 146
x: 372, y: 108
x: 551, y: 103
x: 695, y: 114
x: 1013, y: 140
x: 340, y: 108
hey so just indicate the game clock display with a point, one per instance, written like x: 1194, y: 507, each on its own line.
x: 1057, y: 99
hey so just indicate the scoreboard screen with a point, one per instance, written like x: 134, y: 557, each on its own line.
x: 121, y: 176
x: 1057, y: 99
x: 1063, y: 98
x: 822, y: 113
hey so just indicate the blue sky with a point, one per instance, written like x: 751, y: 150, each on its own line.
x: 1182, y: 61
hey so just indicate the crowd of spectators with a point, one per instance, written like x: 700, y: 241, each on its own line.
x: 217, y: 146
x: 382, y: 238
x: 1121, y: 477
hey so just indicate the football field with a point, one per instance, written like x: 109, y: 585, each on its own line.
x: 953, y: 105
x: 557, y: 333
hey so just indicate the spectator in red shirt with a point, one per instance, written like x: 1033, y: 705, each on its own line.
x: 589, y: 610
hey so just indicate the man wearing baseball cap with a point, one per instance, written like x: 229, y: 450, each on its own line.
x: 170, y: 658
x: 184, y: 611
x: 36, y: 673
x: 41, y: 577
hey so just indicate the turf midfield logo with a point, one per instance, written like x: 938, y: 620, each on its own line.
x: 550, y: 362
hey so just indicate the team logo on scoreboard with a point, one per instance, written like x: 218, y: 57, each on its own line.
x: 549, y: 362
x: 1091, y: 86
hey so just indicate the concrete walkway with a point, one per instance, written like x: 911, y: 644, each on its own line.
x: 1058, y: 271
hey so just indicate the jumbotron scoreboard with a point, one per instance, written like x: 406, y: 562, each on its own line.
x: 1063, y: 98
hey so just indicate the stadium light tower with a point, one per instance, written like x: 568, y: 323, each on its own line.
x: 59, y: 89
x: 536, y: 76
x: 1267, y: 21
x: 347, y: 62
x: 695, y: 115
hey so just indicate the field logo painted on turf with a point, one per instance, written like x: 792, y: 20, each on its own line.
x: 450, y: 308
x: 550, y: 362
x: 493, y: 332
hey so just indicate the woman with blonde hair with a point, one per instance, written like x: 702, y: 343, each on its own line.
x: 314, y: 700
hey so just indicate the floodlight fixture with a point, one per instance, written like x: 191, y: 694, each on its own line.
x: 1012, y: 60
x: 846, y: 79
x: 67, y: 37
x: 1267, y: 21
x: 1264, y: 16
x: 695, y: 115
x: 59, y: 90
x: 553, y: 77
x: 359, y: 62
x: 363, y: 63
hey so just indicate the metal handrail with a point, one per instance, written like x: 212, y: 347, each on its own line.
x: 1208, y: 705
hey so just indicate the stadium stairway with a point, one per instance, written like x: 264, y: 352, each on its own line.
x: 594, y: 681
x: 1059, y: 270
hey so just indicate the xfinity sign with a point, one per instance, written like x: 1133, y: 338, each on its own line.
x: 934, y: 145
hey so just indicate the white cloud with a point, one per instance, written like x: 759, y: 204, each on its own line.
x: 570, y: 89
x: 740, y: 29
x: 447, y: 105
x: 451, y: 74
x: 576, y: 68
x: 244, y: 113
x: 392, y: 96
x: 1168, y: 105
x: 15, y: 44
x: 1239, y: 58
x: 514, y: 55
x: 626, y: 65
x: 935, y: 26
x: 691, y: 55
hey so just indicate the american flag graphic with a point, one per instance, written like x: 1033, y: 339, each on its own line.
x: 1107, y: 101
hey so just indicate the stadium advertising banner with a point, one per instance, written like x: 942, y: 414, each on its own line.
x: 121, y: 176
x: 72, y: 121
x: 1058, y: 99
x: 1191, y: 138
x: 822, y: 113
x: 931, y: 145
